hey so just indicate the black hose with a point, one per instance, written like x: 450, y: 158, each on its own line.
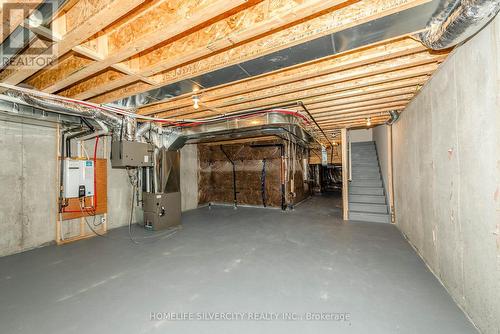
x: 282, y: 155
x: 300, y: 103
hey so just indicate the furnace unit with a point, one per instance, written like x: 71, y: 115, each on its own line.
x: 162, y: 206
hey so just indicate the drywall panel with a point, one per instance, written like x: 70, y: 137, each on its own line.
x: 360, y: 135
x: 447, y: 176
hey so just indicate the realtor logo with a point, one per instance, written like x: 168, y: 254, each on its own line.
x: 27, y: 38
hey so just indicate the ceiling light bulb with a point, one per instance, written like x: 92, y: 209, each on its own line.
x: 196, y: 101
x: 368, y: 121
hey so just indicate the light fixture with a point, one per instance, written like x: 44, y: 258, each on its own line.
x: 196, y: 101
x: 368, y: 121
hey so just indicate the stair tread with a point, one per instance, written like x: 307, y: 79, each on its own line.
x: 368, y: 207
x: 369, y: 217
x: 371, y: 213
x: 371, y: 195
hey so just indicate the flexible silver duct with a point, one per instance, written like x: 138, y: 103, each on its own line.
x: 113, y: 121
x: 109, y: 120
x: 123, y: 124
x: 142, y: 129
x: 456, y: 20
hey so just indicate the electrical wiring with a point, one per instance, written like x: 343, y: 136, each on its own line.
x: 131, y: 237
x: 85, y: 152
x: 93, y: 222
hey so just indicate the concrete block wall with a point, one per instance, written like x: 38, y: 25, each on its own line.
x: 28, y: 187
x: 447, y: 176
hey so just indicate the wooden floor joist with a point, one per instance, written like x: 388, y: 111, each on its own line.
x: 13, y: 13
x: 385, y: 71
x: 343, y: 18
x: 83, y: 20
x: 111, y: 49
x: 242, y: 26
x: 232, y: 93
x: 157, y: 23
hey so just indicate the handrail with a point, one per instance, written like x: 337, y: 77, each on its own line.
x: 350, y: 156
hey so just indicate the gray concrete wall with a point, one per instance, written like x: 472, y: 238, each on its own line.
x: 28, y: 187
x: 28, y: 195
x: 447, y: 176
x: 360, y: 135
x: 189, y: 177
x: 380, y: 138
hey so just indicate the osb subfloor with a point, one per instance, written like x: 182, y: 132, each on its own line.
x: 225, y: 260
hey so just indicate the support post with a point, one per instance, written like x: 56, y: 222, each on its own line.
x: 345, y: 175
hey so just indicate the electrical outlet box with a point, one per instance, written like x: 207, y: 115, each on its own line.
x: 78, y: 175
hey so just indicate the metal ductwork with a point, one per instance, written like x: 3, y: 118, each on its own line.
x: 394, y: 117
x: 457, y: 20
x: 119, y: 125
x: 287, y: 124
x: 272, y: 123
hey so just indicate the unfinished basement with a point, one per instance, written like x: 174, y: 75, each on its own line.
x: 250, y: 166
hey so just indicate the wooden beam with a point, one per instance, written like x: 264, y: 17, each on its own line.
x: 355, y: 124
x: 227, y: 96
x: 382, y: 72
x: 337, y: 112
x: 380, y: 114
x: 345, y: 173
x: 356, y: 94
x: 373, y: 109
x: 360, y: 118
x: 18, y: 10
x: 342, y: 82
x: 329, y: 106
x: 261, y: 19
x: 266, y: 16
x: 83, y: 20
x: 343, y: 18
x: 161, y: 21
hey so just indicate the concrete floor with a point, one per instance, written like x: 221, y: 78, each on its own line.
x: 225, y: 260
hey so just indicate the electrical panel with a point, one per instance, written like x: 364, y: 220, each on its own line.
x: 78, y: 178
